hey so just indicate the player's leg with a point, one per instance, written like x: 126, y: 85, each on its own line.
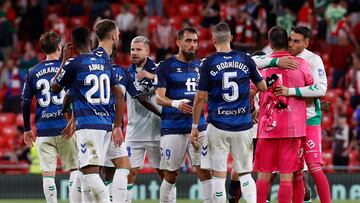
x: 136, y: 156
x: 307, y: 198
x: 201, y: 162
x: 90, y: 144
x: 154, y: 157
x: 119, y: 158
x: 219, y: 148
x: 48, y: 161
x: 69, y: 158
x: 298, y: 187
x: 288, y: 163
x: 172, y: 149
x: 242, y: 153
x: 265, y: 164
x: 314, y: 161
x: 234, y: 193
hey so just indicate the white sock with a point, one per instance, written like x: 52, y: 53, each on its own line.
x: 130, y: 193
x: 166, y: 194
x: 174, y: 194
x: 108, y: 184
x: 75, y: 187
x: 119, y: 185
x: 49, y: 188
x: 219, y: 194
x: 206, y: 189
x: 94, y: 189
x: 248, y: 188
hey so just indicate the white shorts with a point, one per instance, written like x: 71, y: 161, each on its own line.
x: 96, y: 148
x: 138, y: 149
x: 50, y: 147
x: 174, y: 147
x: 222, y: 142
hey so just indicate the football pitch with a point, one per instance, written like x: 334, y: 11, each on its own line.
x: 148, y: 201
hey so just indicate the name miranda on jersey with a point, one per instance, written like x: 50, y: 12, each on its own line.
x: 232, y: 64
x: 46, y: 71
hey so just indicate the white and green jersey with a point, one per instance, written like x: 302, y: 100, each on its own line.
x: 313, y: 110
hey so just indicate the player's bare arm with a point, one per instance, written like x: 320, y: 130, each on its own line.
x: 143, y: 100
x: 164, y: 101
x: 117, y: 135
x: 199, y: 100
x: 261, y: 86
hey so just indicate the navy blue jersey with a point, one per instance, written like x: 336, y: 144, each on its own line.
x: 179, y: 79
x: 91, y: 78
x: 100, y: 52
x: 49, y: 118
x: 126, y: 82
x: 226, y: 77
x: 145, y: 83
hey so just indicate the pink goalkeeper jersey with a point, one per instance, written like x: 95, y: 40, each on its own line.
x: 288, y: 121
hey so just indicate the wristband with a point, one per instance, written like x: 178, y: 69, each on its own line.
x: 175, y: 103
x: 194, y: 125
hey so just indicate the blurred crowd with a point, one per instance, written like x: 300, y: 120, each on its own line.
x: 335, y: 26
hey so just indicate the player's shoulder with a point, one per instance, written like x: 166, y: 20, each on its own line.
x: 43, y: 64
x: 165, y: 64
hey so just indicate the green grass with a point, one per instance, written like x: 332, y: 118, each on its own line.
x: 146, y: 201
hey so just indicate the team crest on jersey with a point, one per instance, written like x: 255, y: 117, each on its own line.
x: 321, y: 72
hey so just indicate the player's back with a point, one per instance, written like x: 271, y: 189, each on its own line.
x: 91, y: 78
x: 49, y: 118
x: 228, y: 78
x: 290, y: 119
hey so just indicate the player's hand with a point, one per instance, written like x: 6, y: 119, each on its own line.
x: 29, y: 138
x: 182, y: 105
x: 144, y: 74
x: 194, y: 138
x: 254, y: 115
x: 325, y: 106
x: 281, y: 90
x: 117, y: 136
x: 288, y: 62
x: 69, y: 130
x: 67, y: 51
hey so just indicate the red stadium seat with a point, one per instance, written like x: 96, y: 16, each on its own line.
x: 328, y: 161
x: 176, y: 22
x: 115, y: 9
x: 19, y: 120
x: 354, y: 161
x: 9, y: 130
x: 196, y: 20
x: 204, y: 34
x: 153, y: 22
x: 187, y: 10
x: 326, y: 122
x: 7, y: 118
x: 78, y: 20
x: 205, y: 48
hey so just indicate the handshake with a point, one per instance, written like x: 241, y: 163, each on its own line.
x: 271, y: 82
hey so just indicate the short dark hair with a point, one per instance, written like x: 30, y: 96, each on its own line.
x: 80, y: 36
x: 49, y: 42
x: 303, y: 30
x: 278, y: 37
x: 258, y: 53
x: 180, y: 33
x: 103, y: 28
x: 221, y: 32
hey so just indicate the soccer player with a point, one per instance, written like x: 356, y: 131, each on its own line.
x: 225, y: 77
x: 298, y: 42
x: 281, y: 122
x: 143, y: 128
x: 91, y: 79
x: 176, y: 87
x: 50, y: 120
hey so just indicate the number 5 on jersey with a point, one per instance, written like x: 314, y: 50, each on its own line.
x: 226, y: 84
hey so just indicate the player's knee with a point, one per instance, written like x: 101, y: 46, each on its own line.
x: 203, y: 174
x: 171, y: 176
x: 265, y: 176
x: 48, y: 173
x: 122, y: 162
x: 220, y: 174
x: 90, y: 169
x: 286, y: 176
x: 234, y: 175
x: 132, y: 175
